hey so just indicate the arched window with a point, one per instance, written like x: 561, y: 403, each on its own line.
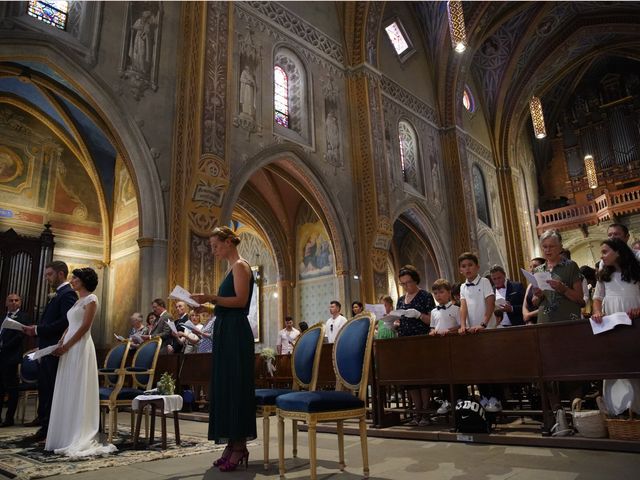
x: 292, y: 97
x: 408, y: 141
x: 54, y: 13
x: 467, y: 100
x: 281, y: 96
x: 480, y: 195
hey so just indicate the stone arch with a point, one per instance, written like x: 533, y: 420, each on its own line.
x: 423, y: 221
x: 292, y: 161
x: 127, y: 137
x: 299, y: 94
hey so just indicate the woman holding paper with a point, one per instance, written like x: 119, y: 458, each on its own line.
x: 418, y: 299
x: 233, y: 411
x: 618, y: 287
x: 562, y: 297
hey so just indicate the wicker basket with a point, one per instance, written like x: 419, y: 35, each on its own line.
x: 588, y: 423
x: 624, y: 429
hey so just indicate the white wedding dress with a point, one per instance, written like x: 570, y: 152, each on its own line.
x: 75, y: 411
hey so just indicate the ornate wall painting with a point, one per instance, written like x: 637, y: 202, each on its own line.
x: 11, y: 165
x: 254, y: 308
x: 314, y: 251
x: 141, y: 47
x: 125, y: 301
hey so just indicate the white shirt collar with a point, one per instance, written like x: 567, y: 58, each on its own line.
x: 65, y: 283
x: 475, y: 281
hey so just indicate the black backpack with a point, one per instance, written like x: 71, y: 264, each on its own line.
x: 471, y: 417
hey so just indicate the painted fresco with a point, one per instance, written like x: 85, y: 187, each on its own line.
x: 124, y: 300
x: 41, y: 179
x: 125, y: 218
x: 314, y: 251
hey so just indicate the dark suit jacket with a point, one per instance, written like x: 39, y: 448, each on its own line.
x: 54, y: 319
x: 515, y: 296
x: 163, y: 330
x: 11, y: 341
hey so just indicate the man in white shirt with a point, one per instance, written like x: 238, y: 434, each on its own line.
x: 335, y: 322
x: 287, y: 337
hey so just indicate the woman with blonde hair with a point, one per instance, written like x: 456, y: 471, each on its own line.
x: 232, y: 417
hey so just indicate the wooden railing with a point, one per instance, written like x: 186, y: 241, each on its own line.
x: 603, y: 208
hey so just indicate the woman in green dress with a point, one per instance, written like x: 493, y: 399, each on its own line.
x: 232, y: 418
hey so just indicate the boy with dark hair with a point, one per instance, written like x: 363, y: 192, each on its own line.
x: 477, y: 300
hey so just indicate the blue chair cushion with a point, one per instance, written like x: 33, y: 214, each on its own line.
x: 125, y: 393
x: 314, y: 402
x: 267, y: 396
x: 350, y: 349
x: 304, y: 354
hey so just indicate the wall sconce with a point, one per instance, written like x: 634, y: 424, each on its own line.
x: 456, y: 25
x: 537, y: 117
x: 590, y: 168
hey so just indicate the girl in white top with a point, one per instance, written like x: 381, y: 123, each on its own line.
x: 618, y: 287
x: 618, y: 290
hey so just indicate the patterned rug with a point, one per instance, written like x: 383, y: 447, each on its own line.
x: 20, y: 459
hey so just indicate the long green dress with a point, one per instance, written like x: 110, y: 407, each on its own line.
x: 232, y: 414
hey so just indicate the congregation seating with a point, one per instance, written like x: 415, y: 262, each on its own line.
x: 141, y: 374
x: 304, y: 362
x: 351, y: 360
x: 563, y: 351
x: 28, y: 386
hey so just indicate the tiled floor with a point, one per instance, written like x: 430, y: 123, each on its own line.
x: 391, y: 459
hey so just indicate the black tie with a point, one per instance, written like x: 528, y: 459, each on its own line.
x: 441, y: 307
x: 470, y: 284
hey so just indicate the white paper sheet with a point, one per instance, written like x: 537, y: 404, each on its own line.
x: 120, y: 338
x: 172, y: 326
x: 11, y: 324
x: 377, y: 309
x: 179, y: 293
x: 609, y: 322
x: 531, y: 279
x: 42, y: 352
x: 543, y: 280
x: 409, y: 313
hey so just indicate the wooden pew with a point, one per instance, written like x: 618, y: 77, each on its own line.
x: 560, y: 351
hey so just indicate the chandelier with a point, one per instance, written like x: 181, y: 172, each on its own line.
x: 590, y: 168
x: 537, y: 118
x: 456, y: 25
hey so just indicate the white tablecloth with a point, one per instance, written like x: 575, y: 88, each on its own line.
x: 172, y: 403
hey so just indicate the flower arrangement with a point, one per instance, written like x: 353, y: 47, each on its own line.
x: 167, y: 384
x: 269, y: 355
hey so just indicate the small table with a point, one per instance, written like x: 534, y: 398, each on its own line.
x: 166, y: 404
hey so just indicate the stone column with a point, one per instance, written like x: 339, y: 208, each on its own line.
x: 511, y: 221
x: 153, y: 279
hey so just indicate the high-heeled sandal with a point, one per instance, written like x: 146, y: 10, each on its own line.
x: 230, y: 466
x: 228, y: 450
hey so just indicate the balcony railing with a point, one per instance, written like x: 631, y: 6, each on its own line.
x: 601, y: 209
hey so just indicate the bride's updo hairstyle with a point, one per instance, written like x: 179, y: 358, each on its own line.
x: 224, y: 233
x: 87, y: 276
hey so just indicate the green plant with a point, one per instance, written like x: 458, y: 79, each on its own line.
x: 167, y: 384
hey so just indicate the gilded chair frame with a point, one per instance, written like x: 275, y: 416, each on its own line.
x: 266, y: 411
x: 313, y: 418
x: 24, y: 395
x: 112, y: 403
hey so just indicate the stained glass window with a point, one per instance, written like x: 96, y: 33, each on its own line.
x: 54, y: 13
x: 397, y: 38
x: 467, y: 100
x: 281, y: 96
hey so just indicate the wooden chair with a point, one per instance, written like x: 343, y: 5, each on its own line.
x: 141, y: 372
x: 304, y: 367
x: 351, y: 361
x: 28, y: 386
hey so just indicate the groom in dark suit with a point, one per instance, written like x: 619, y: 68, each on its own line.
x: 10, y: 356
x: 49, y: 331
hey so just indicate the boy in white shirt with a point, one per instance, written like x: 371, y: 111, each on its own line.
x: 445, y: 318
x: 287, y: 337
x: 477, y: 299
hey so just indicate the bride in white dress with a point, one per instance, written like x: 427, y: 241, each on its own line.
x: 75, y: 411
